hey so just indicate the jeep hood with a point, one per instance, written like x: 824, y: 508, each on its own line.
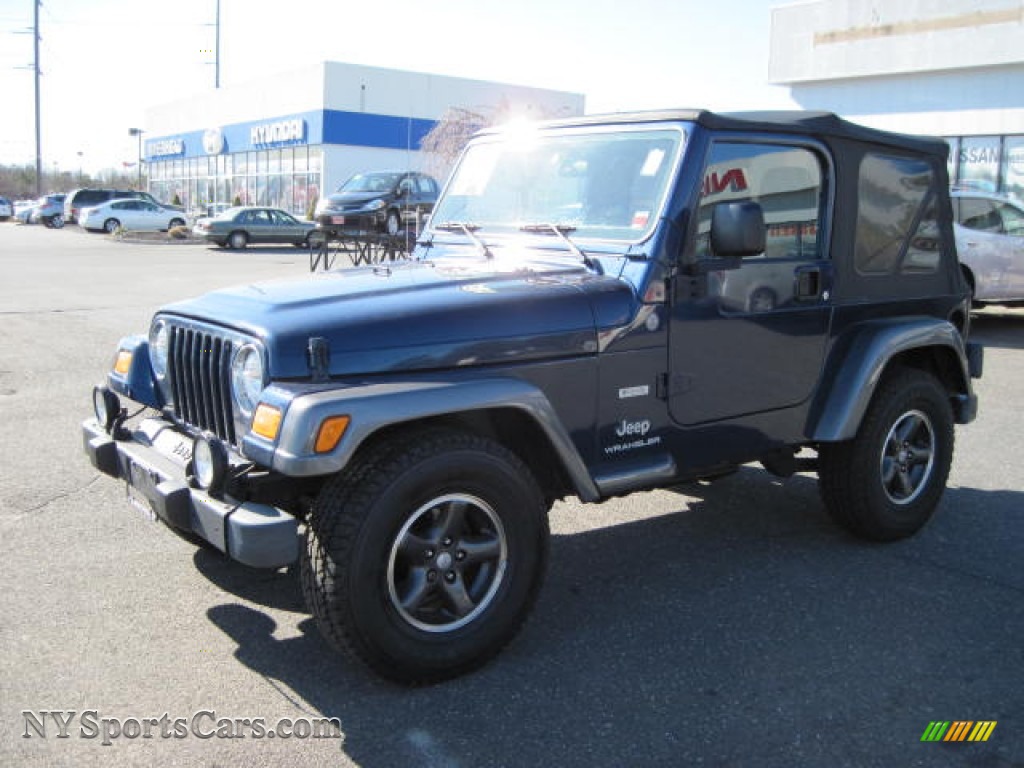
x: 422, y: 315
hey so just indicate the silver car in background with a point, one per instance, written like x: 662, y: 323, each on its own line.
x: 990, y: 242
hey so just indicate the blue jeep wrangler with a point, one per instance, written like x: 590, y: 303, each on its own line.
x: 598, y: 306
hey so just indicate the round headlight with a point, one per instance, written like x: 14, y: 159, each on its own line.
x: 376, y: 205
x: 159, y: 341
x: 247, y: 378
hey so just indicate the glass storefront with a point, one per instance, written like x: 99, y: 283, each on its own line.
x: 989, y: 163
x: 287, y: 178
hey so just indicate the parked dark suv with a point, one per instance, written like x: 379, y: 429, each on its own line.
x: 380, y: 201
x: 598, y: 306
x: 78, y: 199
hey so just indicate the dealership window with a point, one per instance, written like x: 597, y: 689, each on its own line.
x: 273, y: 161
x: 1013, y: 167
x: 978, y: 162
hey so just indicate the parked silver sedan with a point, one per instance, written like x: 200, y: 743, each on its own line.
x: 237, y: 227
x: 990, y: 242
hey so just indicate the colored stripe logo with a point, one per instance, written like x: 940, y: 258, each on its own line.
x: 958, y: 730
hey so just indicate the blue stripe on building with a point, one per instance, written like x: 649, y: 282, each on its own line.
x: 331, y: 127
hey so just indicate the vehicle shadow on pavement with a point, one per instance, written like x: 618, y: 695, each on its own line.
x: 741, y: 627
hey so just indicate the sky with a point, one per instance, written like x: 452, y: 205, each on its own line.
x: 104, y: 62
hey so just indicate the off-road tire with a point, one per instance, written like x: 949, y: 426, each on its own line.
x: 352, y: 562
x: 879, y: 486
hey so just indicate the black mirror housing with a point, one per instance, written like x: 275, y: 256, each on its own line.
x: 737, y: 230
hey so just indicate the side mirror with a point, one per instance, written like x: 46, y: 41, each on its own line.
x: 737, y: 230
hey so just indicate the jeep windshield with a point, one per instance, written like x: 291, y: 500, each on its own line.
x: 600, y: 185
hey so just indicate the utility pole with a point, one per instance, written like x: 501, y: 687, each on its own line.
x: 216, y: 77
x: 39, y: 142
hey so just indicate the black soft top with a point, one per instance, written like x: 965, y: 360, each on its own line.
x: 822, y: 125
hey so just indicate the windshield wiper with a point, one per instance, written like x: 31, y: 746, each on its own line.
x: 469, y: 230
x: 562, y: 230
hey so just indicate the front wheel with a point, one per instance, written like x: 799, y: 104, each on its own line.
x: 885, y: 483
x: 393, y: 224
x: 424, y: 558
x: 176, y: 223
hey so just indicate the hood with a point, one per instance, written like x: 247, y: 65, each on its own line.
x: 423, y: 315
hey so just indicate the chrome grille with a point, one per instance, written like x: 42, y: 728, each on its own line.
x: 199, y: 371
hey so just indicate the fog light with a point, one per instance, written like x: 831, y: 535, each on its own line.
x: 209, y: 464
x: 106, y: 406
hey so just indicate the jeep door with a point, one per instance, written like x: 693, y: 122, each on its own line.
x: 748, y: 335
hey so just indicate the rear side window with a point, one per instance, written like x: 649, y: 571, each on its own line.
x: 897, y: 225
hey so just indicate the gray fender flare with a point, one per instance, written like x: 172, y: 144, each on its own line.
x: 372, y: 407
x: 874, y: 346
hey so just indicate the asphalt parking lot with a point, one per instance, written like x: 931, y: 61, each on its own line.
x: 723, y: 625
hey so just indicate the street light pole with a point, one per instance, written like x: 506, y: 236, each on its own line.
x: 138, y: 132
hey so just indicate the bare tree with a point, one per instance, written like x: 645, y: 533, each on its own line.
x: 446, y: 140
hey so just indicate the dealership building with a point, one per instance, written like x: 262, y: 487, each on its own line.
x: 953, y: 69
x: 285, y: 139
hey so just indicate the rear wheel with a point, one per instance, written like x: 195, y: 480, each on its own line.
x: 237, y: 240
x: 424, y: 558
x: 110, y: 225
x: 885, y: 483
x: 57, y: 221
x: 176, y: 223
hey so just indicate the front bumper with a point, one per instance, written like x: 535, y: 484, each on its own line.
x: 352, y: 222
x: 152, y: 464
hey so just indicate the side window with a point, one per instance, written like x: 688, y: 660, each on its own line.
x: 897, y: 226
x: 979, y: 213
x: 785, y: 181
x: 425, y: 185
x: 1013, y: 218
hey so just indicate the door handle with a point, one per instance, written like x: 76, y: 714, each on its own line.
x: 808, y: 282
